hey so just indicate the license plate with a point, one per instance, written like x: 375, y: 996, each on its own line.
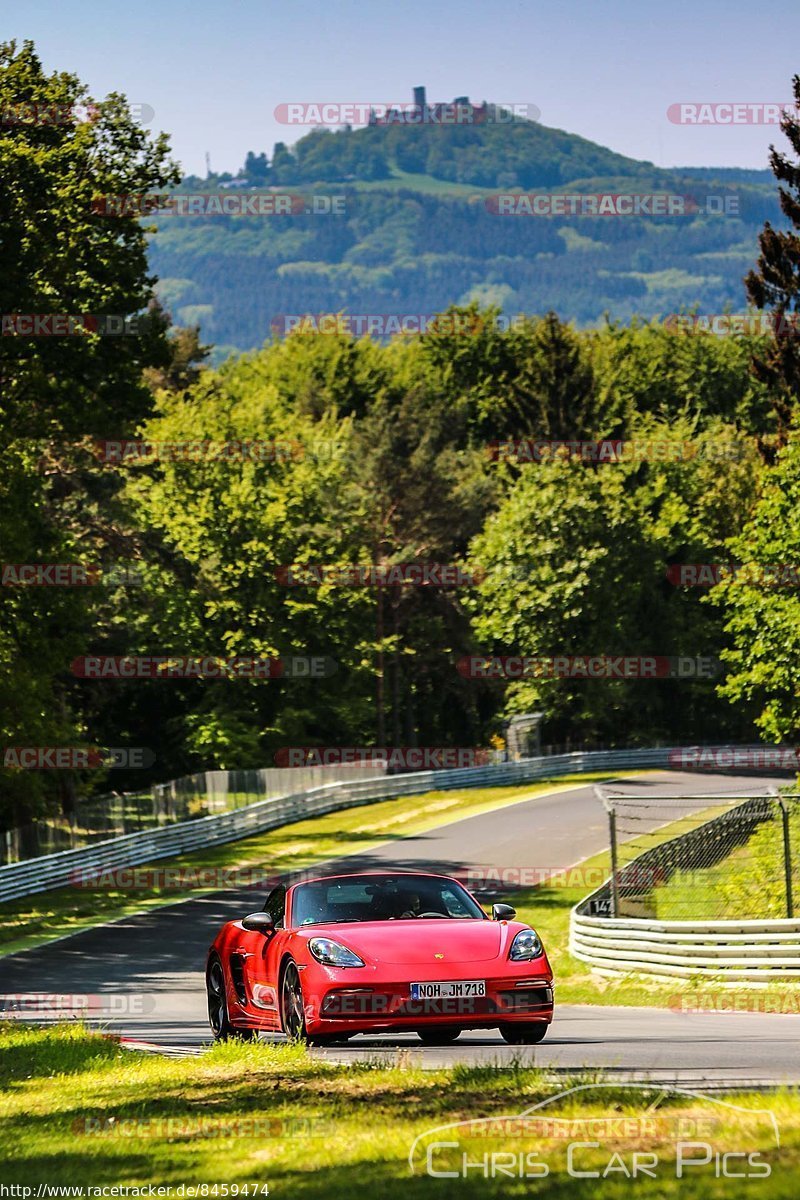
x: 460, y: 988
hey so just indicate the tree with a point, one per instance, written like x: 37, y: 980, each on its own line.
x: 776, y: 282
x: 761, y: 610
x: 421, y: 495
x: 575, y: 563
x: 226, y: 526
x: 187, y: 359
x: 534, y: 381
x: 284, y: 164
x: 60, y: 257
x: 256, y: 169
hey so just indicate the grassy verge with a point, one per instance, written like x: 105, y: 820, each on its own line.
x: 75, y: 1109
x: 48, y: 915
x: 427, y: 184
x: 749, y: 883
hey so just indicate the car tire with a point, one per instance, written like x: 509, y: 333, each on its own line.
x: 218, y: 1018
x: 524, y: 1035
x: 438, y: 1037
x: 293, y: 1016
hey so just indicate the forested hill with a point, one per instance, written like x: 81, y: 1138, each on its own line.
x: 418, y: 231
x: 496, y: 153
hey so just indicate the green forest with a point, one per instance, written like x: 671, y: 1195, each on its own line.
x: 355, y: 451
x: 416, y: 229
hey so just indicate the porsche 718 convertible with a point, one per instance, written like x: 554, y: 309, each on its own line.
x: 378, y: 953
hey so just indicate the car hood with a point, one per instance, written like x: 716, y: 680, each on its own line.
x: 423, y: 940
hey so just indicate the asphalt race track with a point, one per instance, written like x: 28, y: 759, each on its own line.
x: 145, y: 973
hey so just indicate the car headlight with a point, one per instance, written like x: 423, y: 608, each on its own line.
x: 333, y: 954
x: 526, y: 945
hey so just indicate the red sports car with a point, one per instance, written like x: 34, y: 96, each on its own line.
x: 378, y: 953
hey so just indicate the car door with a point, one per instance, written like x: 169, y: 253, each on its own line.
x: 262, y: 962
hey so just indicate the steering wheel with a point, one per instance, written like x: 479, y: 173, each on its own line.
x: 409, y: 913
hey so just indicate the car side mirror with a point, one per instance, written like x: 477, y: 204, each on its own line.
x: 259, y: 922
x: 503, y: 912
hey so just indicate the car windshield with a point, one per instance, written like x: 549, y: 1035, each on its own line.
x: 381, y: 898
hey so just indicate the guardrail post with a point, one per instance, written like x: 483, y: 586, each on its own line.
x: 612, y: 833
x: 608, y: 804
x: 787, y: 856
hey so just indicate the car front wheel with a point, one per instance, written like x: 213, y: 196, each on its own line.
x: 523, y: 1035
x: 437, y: 1037
x: 293, y: 1017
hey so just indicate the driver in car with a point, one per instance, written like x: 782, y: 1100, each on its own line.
x: 412, y: 905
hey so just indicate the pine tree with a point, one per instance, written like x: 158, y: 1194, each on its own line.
x: 776, y: 282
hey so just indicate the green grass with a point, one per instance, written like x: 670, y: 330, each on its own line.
x: 427, y: 184
x: 48, y: 915
x: 748, y: 884
x: 77, y: 1109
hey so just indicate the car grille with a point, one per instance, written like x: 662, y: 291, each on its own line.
x: 526, y: 999
x: 357, y: 1004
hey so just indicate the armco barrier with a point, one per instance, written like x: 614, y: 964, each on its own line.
x: 57, y: 870
x: 735, y: 950
x: 201, y: 794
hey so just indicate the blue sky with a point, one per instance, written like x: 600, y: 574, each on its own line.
x: 215, y: 70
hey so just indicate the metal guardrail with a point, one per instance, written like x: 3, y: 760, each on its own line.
x: 202, y: 794
x: 735, y: 950
x: 58, y: 870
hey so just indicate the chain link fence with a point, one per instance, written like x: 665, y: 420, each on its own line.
x: 726, y: 857
x: 201, y: 795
